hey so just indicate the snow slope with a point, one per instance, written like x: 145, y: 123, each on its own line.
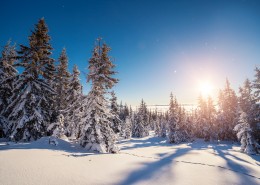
x: 149, y: 160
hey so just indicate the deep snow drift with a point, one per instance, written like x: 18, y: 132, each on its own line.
x: 149, y: 160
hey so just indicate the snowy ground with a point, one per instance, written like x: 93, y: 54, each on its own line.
x: 149, y: 160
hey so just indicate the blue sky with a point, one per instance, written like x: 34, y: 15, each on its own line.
x: 159, y: 46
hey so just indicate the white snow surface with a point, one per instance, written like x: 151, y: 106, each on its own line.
x: 150, y: 160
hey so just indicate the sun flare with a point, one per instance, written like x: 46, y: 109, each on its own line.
x: 206, y: 88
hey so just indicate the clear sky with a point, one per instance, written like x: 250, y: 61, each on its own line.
x: 159, y: 46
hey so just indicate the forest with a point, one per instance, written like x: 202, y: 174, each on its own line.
x: 40, y: 97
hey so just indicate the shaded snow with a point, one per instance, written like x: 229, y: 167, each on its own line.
x: 148, y: 160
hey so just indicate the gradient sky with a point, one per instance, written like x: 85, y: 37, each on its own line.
x: 159, y: 46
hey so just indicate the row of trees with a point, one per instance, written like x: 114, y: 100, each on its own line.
x: 234, y: 117
x: 45, y: 99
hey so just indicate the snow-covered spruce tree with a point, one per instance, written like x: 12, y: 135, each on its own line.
x: 116, y: 123
x: 184, y: 126
x: 125, y: 113
x: 49, y: 73
x: 202, y: 126
x: 155, y: 123
x: 96, y: 132
x: 173, y: 119
x: 141, y: 126
x: 8, y: 75
x: 62, y: 82
x: 150, y: 120
x: 256, y: 84
x: 74, y: 100
x: 121, y: 112
x: 228, y: 110
x: 145, y: 116
x: 138, y: 126
x: 211, y: 119
x: 157, y: 126
x: 163, y: 125
x: 206, y: 119
x: 244, y: 135
x: 193, y: 122
x: 256, y: 89
x: 128, y: 128
x: 246, y: 100
x: 247, y: 103
x: 29, y: 109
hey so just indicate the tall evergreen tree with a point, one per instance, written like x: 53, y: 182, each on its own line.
x: 228, y: 110
x: 201, y: 122
x: 245, y: 136
x: 141, y: 127
x: 163, y: 124
x: 128, y: 128
x: 256, y: 84
x: 247, y: 103
x: 29, y: 109
x: 246, y: 99
x: 256, y: 89
x: 8, y: 75
x: 116, y: 123
x: 156, y: 122
x: 211, y: 119
x: 74, y: 104
x: 173, y: 119
x: 96, y: 132
x: 62, y: 82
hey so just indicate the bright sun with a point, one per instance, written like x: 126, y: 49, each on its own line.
x: 205, y: 88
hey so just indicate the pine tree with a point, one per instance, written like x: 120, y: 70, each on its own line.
x: 74, y: 100
x: 184, y: 126
x: 244, y: 135
x: 178, y: 128
x: 29, y: 109
x: 256, y: 89
x: 156, y: 123
x: 121, y: 111
x: 62, y: 82
x: 128, y: 128
x: 256, y: 84
x: 201, y: 123
x: 211, y: 119
x: 116, y: 123
x: 193, y: 122
x: 246, y: 98
x: 247, y: 103
x: 173, y: 119
x: 206, y: 119
x: 141, y: 127
x: 163, y: 125
x: 228, y: 110
x: 96, y: 133
x: 8, y: 75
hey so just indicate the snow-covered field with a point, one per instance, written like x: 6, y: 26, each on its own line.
x: 149, y: 160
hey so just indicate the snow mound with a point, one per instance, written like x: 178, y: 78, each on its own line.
x: 46, y: 143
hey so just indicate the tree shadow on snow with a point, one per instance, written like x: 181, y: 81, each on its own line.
x: 256, y: 158
x: 164, y: 162
x: 150, y: 169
